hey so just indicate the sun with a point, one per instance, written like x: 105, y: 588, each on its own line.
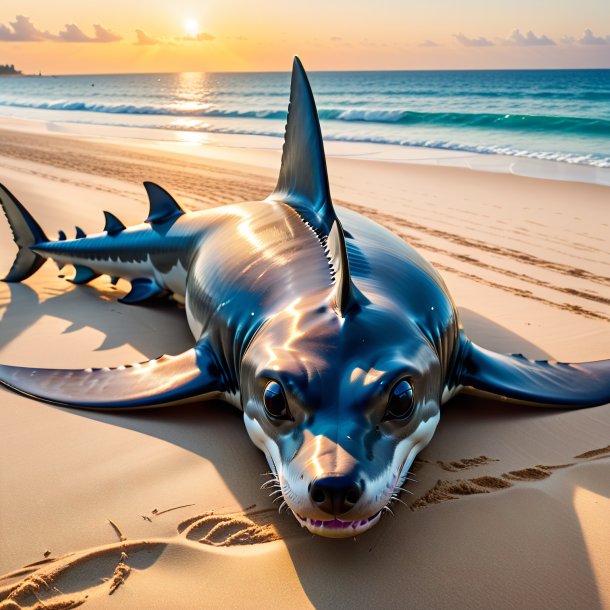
x: 191, y: 26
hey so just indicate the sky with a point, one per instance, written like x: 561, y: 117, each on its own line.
x: 111, y: 36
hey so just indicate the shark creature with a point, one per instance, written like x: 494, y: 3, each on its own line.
x: 336, y: 339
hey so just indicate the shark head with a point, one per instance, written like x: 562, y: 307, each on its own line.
x: 340, y: 407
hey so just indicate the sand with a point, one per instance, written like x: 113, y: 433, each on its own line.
x: 509, y: 506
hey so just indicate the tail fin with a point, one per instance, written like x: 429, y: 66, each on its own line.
x: 26, y: 232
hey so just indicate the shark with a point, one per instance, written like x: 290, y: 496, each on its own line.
x: 337, y: 341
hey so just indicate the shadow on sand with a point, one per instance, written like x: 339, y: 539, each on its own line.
x: 428, y: 557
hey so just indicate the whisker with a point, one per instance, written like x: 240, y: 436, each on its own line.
x: 405, y: 490
x: 396, y: 499
x: 270, y: 483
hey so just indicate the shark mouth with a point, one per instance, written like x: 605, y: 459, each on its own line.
x: 336, y: 528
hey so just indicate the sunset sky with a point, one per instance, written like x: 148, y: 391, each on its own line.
x: 110, y: 36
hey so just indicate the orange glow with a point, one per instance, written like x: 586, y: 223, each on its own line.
x: 239, y: 35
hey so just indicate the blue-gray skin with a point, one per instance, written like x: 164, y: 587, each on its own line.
x: 335, y: 338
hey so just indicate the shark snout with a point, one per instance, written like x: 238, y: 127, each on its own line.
x: 335, y: 494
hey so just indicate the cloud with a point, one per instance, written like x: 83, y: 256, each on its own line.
x: 23, y: 30
x: 473, y: 42
x: 144, y: 39
x: 201, y: 37
x: 588, y: 37
x: 103, y: 34
x: 428, y: 43
x: 528, y: 40
x: 72, y: 33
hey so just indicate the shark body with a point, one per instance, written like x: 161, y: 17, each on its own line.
x: 336, y: 339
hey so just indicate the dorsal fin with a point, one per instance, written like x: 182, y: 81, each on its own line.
x: 80, y: 233
x: 113, y: 224
x: 163, y: 206
x: 61, y: 236
x: 346, y: 298
x: 303, y: 179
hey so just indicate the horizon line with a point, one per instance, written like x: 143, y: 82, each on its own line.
x: 288, y: 71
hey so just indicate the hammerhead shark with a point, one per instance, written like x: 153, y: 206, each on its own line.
x: 336, y: 339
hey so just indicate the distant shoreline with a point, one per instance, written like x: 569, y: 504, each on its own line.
x: 238, y: 72
x: 9, y: 70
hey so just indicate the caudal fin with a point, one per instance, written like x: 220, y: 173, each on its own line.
x: 26, y: 232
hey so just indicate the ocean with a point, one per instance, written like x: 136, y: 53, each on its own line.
x: 560, y: 115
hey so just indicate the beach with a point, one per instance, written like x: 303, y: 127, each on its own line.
x: 163, y: 508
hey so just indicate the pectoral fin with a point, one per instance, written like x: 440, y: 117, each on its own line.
x: 142, y: 289
x: 539, y: 382
x: 193, y: 375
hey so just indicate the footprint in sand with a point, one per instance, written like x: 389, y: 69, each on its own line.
x: 232, y: 529
x: 595, y: 453
x: 445, y: 490
x: 69, y: 581
x: 459, y: 465
x: 60, y: 583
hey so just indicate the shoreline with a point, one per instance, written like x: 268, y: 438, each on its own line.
x: 198, y: 142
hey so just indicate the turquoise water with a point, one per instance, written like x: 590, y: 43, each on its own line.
x: 563, y: 115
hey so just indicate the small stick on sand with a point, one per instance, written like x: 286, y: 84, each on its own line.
x: 167, y: 510
x: 118, y: 532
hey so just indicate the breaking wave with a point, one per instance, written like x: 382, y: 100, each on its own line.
x: 507, y: 122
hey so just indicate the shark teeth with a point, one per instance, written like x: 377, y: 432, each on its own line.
x: 337, y: 528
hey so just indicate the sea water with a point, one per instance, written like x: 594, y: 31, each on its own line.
x: 560, y: 115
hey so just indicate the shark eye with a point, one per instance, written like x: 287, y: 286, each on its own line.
x: 400, y: 404
x: 275, y: 401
